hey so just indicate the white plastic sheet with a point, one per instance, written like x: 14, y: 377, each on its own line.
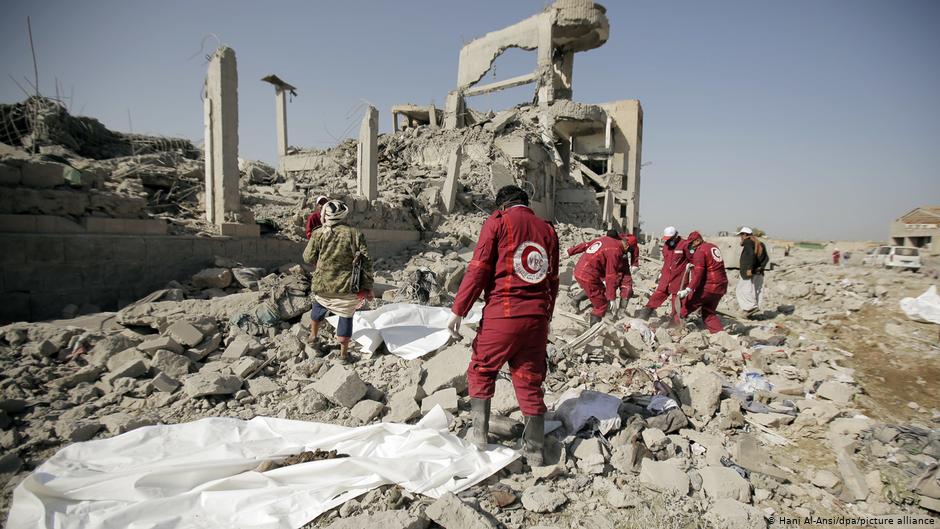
x: 925, y: 307
x: 575, y: 407
x: 200, y: 474
x: 408, y: 330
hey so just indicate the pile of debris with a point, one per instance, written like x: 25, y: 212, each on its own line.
x: 652, y: 424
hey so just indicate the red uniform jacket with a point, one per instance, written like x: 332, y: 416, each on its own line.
x: 708, y: 270
x: 515, y: 265
x: 603, y: 262
x: 674, y: 261
x: 313, y: 222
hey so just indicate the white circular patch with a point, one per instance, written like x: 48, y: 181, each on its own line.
x: 594, y: 247
x: 530, y: 262
x: 716, y: 255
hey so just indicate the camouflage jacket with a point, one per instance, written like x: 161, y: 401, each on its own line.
x: 331, y: 252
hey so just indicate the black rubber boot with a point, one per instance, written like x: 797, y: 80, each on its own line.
x: 480, y: 415
x: 533, y: 440
x: 644, y: 313
x: 595, y: 320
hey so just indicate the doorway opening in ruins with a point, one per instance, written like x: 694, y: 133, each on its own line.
x: 512, y: 62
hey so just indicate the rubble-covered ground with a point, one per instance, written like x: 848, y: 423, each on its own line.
x: 838, y: 413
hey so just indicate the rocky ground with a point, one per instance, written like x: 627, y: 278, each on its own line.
x: 826, y: 406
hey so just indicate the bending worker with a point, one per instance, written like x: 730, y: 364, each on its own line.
x: 707, y: 284
x: 601, y: 270
x: 670, y: 279
x: 515, y: 265
x: 334, y: 250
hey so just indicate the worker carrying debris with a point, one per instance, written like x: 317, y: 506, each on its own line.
x: 313, y: 220
x: 754, y: 260
x: 671, y: 276
x: 515, y: 265
x: 707, y: 284
x: 342, y: 276
x: 603, y: 268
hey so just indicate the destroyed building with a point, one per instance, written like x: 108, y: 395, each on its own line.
x: 822, y: 408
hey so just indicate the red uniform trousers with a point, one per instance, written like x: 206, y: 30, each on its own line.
x: 708, y: 302
x: 657, y: 299
x: 598, y: 296
x: 520, y: 341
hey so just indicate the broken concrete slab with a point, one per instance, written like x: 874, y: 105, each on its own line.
x: 184, y: 333
x: 402, y: 408
x: 174, y: 365
x: 239, y: 347
x: 132, y: 369
x: 161, y: 342
x: 445, y: 398
x: 451, y: 513
x: 825, y: 480
x: 704, y: 385
x: 664, y: 476
x: 245, y: 366
x: 400, y: 519
x: 86, y: 374
x: 205, y: 384
x: 213, y: 278
x: 118, y: 423
x: 727, y: 513
x: 542, y: 499
x: 125, y: 356
x: 342, y: 386
x: 840, y: 392
x: 448, y: 369
x: 165, y: 383
x: 855, y: 485
x: 723, y: 482
x: 366, y: 410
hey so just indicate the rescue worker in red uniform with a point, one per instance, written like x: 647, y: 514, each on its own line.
x: 515, y: 265
x: 670, y: 279
x: 313, y: 220
x: 707, y: 284
x: 601, y: 270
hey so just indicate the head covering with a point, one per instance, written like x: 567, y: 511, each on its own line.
x: 334, y: 212
x: 629, y: 237
x: 694, y: 236
x: 670, y: 232
x: 613, y: 234
x: 745, y: 231
x: 321, y: 200
x: 511, y: 195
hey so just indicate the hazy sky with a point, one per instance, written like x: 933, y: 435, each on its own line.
x: 811, y: 119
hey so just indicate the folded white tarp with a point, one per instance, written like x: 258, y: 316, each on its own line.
x: 925, y: 307
x: 575, y: 407
x: 200, y: 474
x: 408, y: 330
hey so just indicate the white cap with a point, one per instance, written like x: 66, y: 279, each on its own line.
x: 745, y: 230
x: 670, y: 232
x: 321, y: 198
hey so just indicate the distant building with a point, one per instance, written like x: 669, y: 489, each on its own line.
x: 919, y: 228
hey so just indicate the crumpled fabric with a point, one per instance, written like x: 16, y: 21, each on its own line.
x: 575, y: 408
x: 201, y: 474
x: 925, y: 307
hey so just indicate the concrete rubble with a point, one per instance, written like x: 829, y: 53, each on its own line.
x: 825, y: 404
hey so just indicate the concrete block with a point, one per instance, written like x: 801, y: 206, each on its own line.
x: 366, y: 410
x: 211, y: 383
x: 449, y: 191
x: 162, y: 342
x: 261, y: 386
x: 120, y: 358
x: 446, y: 398
x: 174, y: 365
x: 341, y: 386
x: 183, y: 333
x: 240, y: 230
x: 76, y: 431
x: 723, y: 482
x: 237, y: 349
x: 213, y: 278
x: 450, y: 511
x: 664, y: 476
x: 448, y: 369
x: 165, y: 383
x: 245, y: 366
x: 402, y: 408
x: 512, y: 146
x: 132, y: 369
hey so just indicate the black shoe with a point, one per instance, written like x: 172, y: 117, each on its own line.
x: 480, y: 415
x: 644, y: 313
x: 595, y: 320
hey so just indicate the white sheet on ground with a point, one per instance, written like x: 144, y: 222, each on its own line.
x: 200, y: 474
x: 925, y: 307
x: 575, y: 407
x: 408, y: 330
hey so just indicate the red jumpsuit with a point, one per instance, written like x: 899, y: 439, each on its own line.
x: 313, y: 222
x: 835, y: 257
x: 515, y: 265
x: 708, y: 283
x: 670, y: 279
x: 601, y: 269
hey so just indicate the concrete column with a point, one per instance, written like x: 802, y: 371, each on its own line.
x: 394, y: 121
x: 280, y: 109
x: 449, y: 191
x: 367, y: 167
x: 546, y: 88
x: 209, y: 171
x: 222, y: 135
x: 432, y: 116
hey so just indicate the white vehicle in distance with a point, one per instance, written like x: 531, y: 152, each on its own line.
x: 894, y: 257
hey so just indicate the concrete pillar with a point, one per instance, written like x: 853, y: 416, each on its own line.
x: 367, y: 167
x: 546, y: 88
x: 449, y: 191
x: 221, y: 112
x: 280, y: 110
x: 394, y: 121
x: 209, y: 170
x: 453, y: 110
x: 432, y: 116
